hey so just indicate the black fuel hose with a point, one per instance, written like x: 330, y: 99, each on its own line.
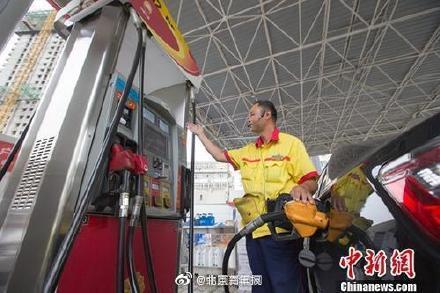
x: 248, y: 229
x: 140, y: 179
x: 121, y: 254
x: 130, y: 257
x: 124, y: 203
x: 136, y: 208
x: 83, y: 203
x: 147, y: 251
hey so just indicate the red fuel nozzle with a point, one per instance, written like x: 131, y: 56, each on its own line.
x: 125, y: 159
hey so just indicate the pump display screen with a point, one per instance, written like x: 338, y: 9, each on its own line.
x: 155, y: 142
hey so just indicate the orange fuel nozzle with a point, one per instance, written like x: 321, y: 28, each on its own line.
x: 305, y: 217
x: 339, y: 222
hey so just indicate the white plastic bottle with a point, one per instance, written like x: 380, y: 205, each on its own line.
x: 202, y: 256
x: 196, y: 255
x: 215, y: 253
x: 208, y: 258
x: 220, y: 255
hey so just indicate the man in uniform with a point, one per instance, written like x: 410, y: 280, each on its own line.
x: 275, y: 163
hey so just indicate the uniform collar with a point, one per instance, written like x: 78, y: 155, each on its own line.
x: 275, y: 136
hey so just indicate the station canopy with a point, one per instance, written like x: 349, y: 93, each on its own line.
x: 338, y: 71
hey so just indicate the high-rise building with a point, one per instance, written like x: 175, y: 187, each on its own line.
x: 31, y: 91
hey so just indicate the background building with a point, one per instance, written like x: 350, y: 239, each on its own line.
x: 20, y: 45
x: 213, y: 189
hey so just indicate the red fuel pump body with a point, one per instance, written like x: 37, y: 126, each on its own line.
x: 91, y: 266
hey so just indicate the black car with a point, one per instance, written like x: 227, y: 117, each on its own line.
x: 392, y: 191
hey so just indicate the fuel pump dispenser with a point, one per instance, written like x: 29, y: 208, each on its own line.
x: 95, y: 199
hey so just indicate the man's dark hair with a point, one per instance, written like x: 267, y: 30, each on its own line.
x: 268, y: 106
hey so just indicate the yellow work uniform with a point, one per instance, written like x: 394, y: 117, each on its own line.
x: 268, y: 170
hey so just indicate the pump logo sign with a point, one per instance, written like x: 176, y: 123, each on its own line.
x: 6, y: 145
x: 183, y: 279
x: 164, y: 29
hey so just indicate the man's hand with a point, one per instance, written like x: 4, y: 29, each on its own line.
x: 338, y: 203
x: 195, y: 128
x: 301, y: 193
x: 216, y: 152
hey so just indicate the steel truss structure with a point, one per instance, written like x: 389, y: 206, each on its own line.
x: 338, y: 70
